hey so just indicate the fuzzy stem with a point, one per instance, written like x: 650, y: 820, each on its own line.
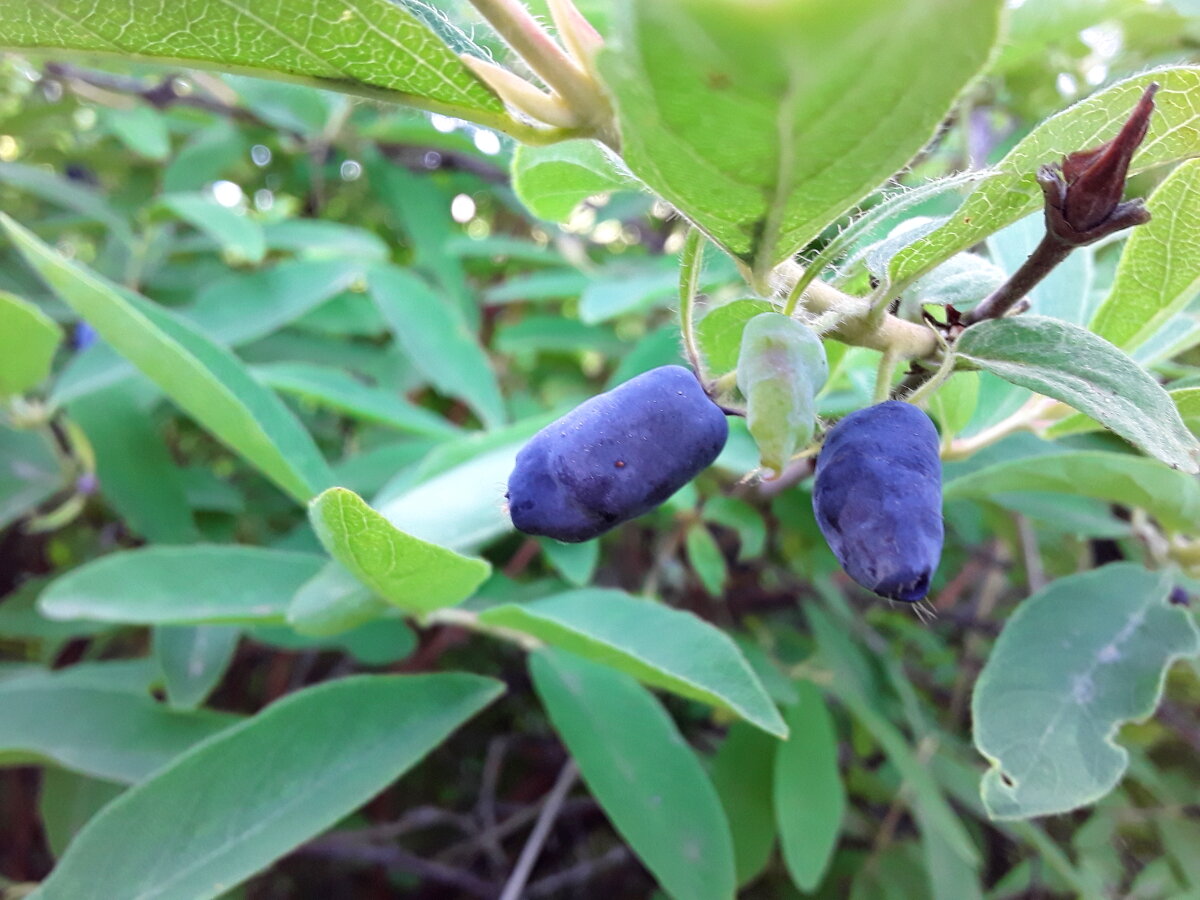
x: 909, y: 340
x: 944, y: 371
x: 690, y: 265
x: 883, y: 378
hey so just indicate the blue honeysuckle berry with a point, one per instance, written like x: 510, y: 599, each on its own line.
x: 615, y: 456
x: 878, y: 498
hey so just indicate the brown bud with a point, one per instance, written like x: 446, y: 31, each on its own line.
x: 1083, y: 194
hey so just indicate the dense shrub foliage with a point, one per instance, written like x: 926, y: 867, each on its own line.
x: 456, y: 450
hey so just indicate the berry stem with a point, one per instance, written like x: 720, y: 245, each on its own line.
x: 691, y: 263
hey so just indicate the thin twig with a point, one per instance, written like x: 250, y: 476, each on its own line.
x: 579, y: 873
x: 398, y: 859
x: 541, y: 830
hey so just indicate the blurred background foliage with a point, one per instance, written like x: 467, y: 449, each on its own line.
x: 254, y: 210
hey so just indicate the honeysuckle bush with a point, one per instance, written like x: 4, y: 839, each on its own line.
x: 286, y: 288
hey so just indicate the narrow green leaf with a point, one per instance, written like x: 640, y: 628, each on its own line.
x: 232, y: 231
x: 30, y: 475
x: 437, y: 341
x: 742, y: 772
x: 551, y: 181
x: 269, y: 784
x: 955, y: 402
x: 1169, y: 495
x: 194, y: 585
x: 206, y: 381
x: 415, y: 575
x: 135, y: 470
x: 706, y: 558
x: 1159, y: 272
x: 1075, y: 661
x: 319, y: 239
x: 625, y: 632
x: 234, y: 310
x: 642, y: 772
x: 765, y: 128
x: 781, y: 368
x: 193, y: 660
x: 375, y: 47
x: 28, y: 339
x: 1013, y: 191
x: 1071, y: 364
x: 742, y: 518
x: 850, y: 685
x: 719, y: 333
x: 344, y: 393
x: 333, y: 602
x: 67, y: 801
x: 60, y: 191
x: 140, y: 128
x: 574, y: 562
x: 111, y: 734
x: 810, y: 799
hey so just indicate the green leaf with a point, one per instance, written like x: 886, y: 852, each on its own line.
x: 1169, y: 495
x: 319, y: 239
x: 279, y: 295
x: 206, y: 381
x: 742, y: 518
x: 810, y: 799
x: 67, y: 801
x: 140, y: 128
x: 284, y: 776
x: 1075, y: 661
x: 1159, y: 272
x: 28, y: 339
x: 436, y: 338
x: 574, y: 562
x: 111, y: 734
x: 623, y: 288
x: 413, y: 574
x: 706, y: 558
x: 136, y: 471
x: 462, y: 507
x: 551, y: 181
x: 742, y: 772
x: 193, y: 660
x: 195, y: 585
x: 1071, y: 364
x: 851, y: 672
x: 334, y: 388
x: 642, y: 772
x: 234, y: 232
x: 333, y: 602
x: 376, y: 48
x: 30, y: 475
x: 59, y: 191
x: 781, y: 368
x: 666, y: 648
x: 954, y: 403
x: 421, y: 207
x: 764, y: 128
x: 1013, y: 192
x: 719, y: 333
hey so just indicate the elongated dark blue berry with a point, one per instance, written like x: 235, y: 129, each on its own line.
x: 878, y: 498
x: 615, y: 456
